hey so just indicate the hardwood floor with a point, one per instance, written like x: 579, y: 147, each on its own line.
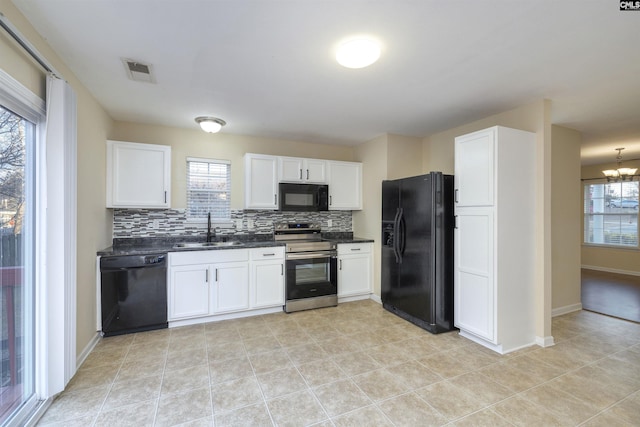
x: 613, y: 294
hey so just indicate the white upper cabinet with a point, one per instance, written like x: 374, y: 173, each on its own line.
x: 295, y: 169
x: 474, y: 171
x: 260, y: 182
x: 138, y: 175
x: 345, y: 185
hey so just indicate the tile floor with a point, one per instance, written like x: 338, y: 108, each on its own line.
x: 354, y: 365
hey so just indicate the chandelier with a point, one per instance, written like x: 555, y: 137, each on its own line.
x: 619, y: 174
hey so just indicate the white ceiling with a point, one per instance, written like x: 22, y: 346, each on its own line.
x: 267, y: 67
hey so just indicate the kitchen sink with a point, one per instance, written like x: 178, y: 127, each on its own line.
x: 207, y: 244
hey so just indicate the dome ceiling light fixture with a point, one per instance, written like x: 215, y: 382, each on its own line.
x: 210, y: 124
x: 619, y: 174
x: 358, y: 52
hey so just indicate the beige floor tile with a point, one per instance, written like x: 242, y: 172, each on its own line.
x: 261, y: 344
x: 235, y: 394
x: 183, y: 407
x: 306, y: 353
x: 136, y: 415
x: 126, y: 392
x: 92, y: 377
x: 283, y: 381
x: 254, y: 415
x: 186, y: 359
x: 326, y: 360
x: 316, y: 374
x: 389, y: 354
x: 296, y: 409
x: 598, y: 393
x: 569, y: 409
x: 524, y: 413
x: 340, y: 397
x: 226, y: 350
x: 413, y: 374
x: 271, y: 361
x: 607, y: 419
x: 140, y: 369
x: 76, y: 404
x: 339, y: 345
x: 628, y: 410
x: 369, y: 416
x: 409, y: 410
x: 181, y: 380
x: 379, y: 384
x: 356, y: 363
x: 230, y: 369
x: 480, y: 386
x: 484, y: 418
x: 451, y: 401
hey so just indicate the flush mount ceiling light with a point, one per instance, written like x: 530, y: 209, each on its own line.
x: 358, y: 52
x: 619, y: 174
x: 210, y: 124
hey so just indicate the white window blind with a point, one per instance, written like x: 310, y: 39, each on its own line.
x: 611, y: 214
x: 208, y: 188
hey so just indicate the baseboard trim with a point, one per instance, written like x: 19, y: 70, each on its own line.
x: 545, y: 341
x: 566, y: 309
x: 376, y: 298
x: 87, y: 350
x: 610, y: 270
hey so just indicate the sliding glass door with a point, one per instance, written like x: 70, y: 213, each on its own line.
x: 17, y: 296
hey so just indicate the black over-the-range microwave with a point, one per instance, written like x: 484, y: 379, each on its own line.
x: 304, y: 197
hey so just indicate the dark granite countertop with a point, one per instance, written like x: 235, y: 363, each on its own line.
x: 158, y: 245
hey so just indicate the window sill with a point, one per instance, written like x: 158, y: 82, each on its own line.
x: 603, y: 246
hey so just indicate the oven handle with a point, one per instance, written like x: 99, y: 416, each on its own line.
x: 309, y: 255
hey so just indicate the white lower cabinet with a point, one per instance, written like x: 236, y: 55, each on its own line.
x: 267, y: 277
x: 188, y: 291
x: 355, y: 269
x: 203, y: 283
x: 216, y: 282
x: 230, y: 290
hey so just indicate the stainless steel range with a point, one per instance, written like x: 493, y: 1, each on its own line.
x: 311, y: 280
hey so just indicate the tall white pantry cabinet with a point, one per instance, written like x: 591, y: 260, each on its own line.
x: 495, y: 238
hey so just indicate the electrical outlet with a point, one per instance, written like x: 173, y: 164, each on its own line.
x: 155, y: 224
x: 238, y: 224
x: 329, y: 223
x: 250, y: 224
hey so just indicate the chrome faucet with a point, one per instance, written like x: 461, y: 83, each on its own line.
x: 210, y: 235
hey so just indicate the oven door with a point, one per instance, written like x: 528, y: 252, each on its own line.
x: 311, y: 275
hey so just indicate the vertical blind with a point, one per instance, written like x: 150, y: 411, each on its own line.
x: 208, y: 188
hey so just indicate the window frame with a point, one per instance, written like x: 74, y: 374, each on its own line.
x: 586, y: 215
x: 199, y: 219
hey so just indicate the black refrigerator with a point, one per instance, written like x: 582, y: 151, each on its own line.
x: 417, y: 250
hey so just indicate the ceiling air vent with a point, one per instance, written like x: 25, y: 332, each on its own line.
x: 139, y: 71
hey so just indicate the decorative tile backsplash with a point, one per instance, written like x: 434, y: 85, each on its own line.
x: 173, y: 222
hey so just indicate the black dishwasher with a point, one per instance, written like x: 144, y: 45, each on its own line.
x: 133, y: 293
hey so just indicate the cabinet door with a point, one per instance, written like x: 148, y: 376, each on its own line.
x: 261, y: 182
x: 230, y: 290
x: 345, y: 185
x: 354, y: 275
x: 315, y: 171
x: 290, y: 169
x: 267, y: 283
x: 138, y: 175
x: 474, y: 288
x: 474, y: 168
x: 188, y: 291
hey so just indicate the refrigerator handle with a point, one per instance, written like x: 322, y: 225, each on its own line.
x: 403, y: 235
x: 396, y: 235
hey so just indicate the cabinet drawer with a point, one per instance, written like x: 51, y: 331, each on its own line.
x: 354, y: 248
x: 271, y: 252
x: 208, y: 257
